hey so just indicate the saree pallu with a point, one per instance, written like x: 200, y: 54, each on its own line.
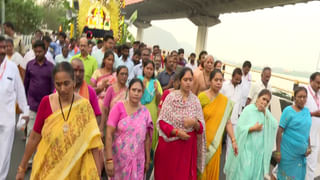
x: 254, y: 148
x: 216, y: 114
x: 119, y: 96
x: 98, y: 78
x: 152, y: 106
x: 294, y: 143
x: 67, y: 155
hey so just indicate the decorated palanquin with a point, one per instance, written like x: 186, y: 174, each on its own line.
x: 98, y: 17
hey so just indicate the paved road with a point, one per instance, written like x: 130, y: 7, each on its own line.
x: 19, y: 146
x: 16, y: 156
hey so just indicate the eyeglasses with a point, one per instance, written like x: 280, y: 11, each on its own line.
x: 301, y: 97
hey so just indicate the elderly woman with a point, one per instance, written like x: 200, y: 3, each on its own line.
x: 255, y: 134
x: 293, y: 138
x: 65, y: 134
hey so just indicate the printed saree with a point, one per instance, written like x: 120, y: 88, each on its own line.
x: 67, y: 154
x: 216, y: 114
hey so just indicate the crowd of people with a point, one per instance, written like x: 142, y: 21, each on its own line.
x: 93, y: 109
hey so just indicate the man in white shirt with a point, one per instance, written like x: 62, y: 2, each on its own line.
x: 192, y: 64
x: 246, y: 82
x: 64, y: 56
x: 125, y: 59
x: 260, y: 85
x: 108, y: 44
x: 233, y: 91
x: 11, y: 91
x: 138, y: 69
x: 313, y: 104
x: 135, y: 46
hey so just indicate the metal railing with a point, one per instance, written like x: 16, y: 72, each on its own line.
x: 281, y: 89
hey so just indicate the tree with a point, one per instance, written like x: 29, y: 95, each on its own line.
x: 25, y: 15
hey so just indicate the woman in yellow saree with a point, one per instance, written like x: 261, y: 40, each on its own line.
x: 65, y: 135
x: 217, y: 110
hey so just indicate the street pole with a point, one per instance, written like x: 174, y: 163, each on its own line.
x: 2, y: 14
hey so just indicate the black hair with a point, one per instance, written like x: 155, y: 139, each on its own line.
x: 146, y: 49
x: 237, y: 71
x: 180, y: 51
x: 246, y: 64
x: 63, y: 34
x: 9, y: 40
x: 39, y: 43
x: 214, y: 72
x: 298, y: 89
x: 193, y: 54
x: 64, y: 67
x: 121, y: 67
x: 124, y: 47
x: 174, y: 51
x: 134, y: 80
x: 184, y: 71
x: 107, y: 54
x: 99, y: 41
x: 156, y: 46
x: 146, y: 63
x: 314, y: 75
x: 47, y: 39
x: 265, y: 92
x: 202, y: 53
x: 265, y: 69
x: 136, y: 42
x: 107, y: 37
x: 9, y: 25
x: 2, y: 38
x: 216, y: 63
x: 142, y: 45
x: 91, y: 42
x: 137, y: 52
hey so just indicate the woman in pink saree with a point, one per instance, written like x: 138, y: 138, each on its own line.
x: 103, y: 77
x: 114, y: 94
x: 128, y: 137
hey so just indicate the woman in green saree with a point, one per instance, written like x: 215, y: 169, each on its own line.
x: 255, y: 134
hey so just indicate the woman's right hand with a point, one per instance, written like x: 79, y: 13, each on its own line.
x: 183, y: 135
x: 256, y: 127
x: 110, y: 169
x: 278, y: 156
x: 20, y: 175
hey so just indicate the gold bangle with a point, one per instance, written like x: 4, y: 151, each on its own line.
x: 109, y: 161
x: 277, y: 153
x: 21, y: 170
x: 233, y: 140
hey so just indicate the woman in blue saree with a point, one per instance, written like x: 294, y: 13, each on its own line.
x: 293, y: 138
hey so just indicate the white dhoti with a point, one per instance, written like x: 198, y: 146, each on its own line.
x: 6, y: 142
x: 312, y: 162
x: 11, y: 91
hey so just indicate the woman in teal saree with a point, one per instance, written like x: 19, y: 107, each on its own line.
x: 255, y: 134
x: 293, y: 138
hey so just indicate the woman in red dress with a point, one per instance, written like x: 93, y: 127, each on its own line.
x: 181, y: 147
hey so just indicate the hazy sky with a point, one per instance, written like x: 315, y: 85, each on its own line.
x: 287, y: 37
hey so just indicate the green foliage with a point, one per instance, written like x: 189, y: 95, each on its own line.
x: 25, y: 15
